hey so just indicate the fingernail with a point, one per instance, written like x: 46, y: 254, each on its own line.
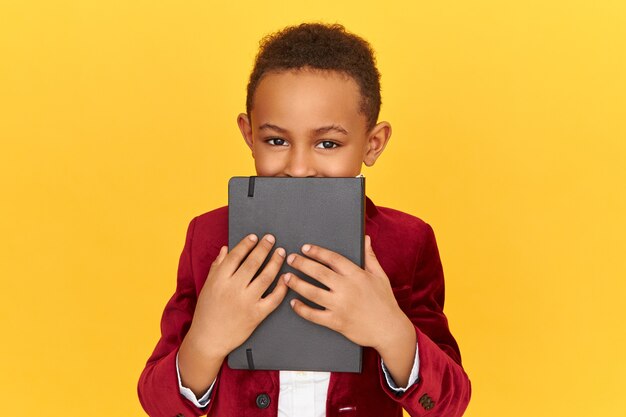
x: 270, y: 238
x: 290, y: 258
x: 305, y: 248
x: 292, y: 302
x: 287, y: 277
x: 281, y: 252
x: 253, y: 238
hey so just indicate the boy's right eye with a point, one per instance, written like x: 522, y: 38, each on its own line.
x: 276, y: 141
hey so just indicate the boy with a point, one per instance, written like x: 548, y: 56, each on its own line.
x: 312, y: 109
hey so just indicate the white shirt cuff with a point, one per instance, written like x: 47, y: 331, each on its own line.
x: 187, y: 393
x: 412, y: 377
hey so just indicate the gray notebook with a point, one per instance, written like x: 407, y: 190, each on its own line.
x: 328, y: 212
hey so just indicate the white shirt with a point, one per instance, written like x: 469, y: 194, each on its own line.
x: 302, y: 393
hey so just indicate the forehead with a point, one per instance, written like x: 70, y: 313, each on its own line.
x: 307, y: 96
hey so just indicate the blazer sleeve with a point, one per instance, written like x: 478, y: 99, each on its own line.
x: 443, y: 388
x: 158, y: 387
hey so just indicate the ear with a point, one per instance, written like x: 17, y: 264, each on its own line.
x: 376, y: 142
x: 243, y: 121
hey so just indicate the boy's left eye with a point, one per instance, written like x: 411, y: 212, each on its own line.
x: 327, y: 144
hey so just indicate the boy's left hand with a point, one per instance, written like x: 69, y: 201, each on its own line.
x: 359, y: 303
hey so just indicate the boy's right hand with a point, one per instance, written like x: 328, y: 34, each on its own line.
x: 230, y: 305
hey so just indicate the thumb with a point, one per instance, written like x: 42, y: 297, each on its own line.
x: 221, y: 255
x: 371, y: 262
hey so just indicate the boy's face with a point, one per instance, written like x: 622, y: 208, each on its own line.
x: 307, y: 123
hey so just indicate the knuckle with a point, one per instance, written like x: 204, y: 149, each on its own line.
x: 247, y: 269
x: 245, y: 243
x: 255, y: 258
x: 267, y: 279
x: 262, y: 278
x: 272, y: 301
x: 294, y: 283
x: 306, y: 292
x: 301, y: 310
x: 319, y: 293
x: 333, y: 257
x: 238, y: 252
x: 325, y: 273
x: 273, y: 261
x: 303, y: 289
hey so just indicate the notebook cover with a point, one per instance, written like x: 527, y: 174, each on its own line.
x: 328, y: 212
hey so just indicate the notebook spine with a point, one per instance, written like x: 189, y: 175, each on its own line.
x: 363, y: 208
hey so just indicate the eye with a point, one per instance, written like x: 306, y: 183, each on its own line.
x: 276, y: 141
x: 327, y: 144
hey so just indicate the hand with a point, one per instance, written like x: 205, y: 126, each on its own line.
x: 359, y: 303
x: 230, y: 305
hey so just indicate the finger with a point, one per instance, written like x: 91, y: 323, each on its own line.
x: 309, y: 291
x: 314, y: 315
x: 335, y: 261
x: 267, y: 276
x: 312, y: 268
x: 221, y: 255
x: 371, y: 262
x: 238, y: 253
x: 255, y: 259
x: 273, y: 299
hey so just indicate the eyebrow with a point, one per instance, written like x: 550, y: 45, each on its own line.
x: 323, y: 129
x: 335, y: 128
x: 265, y: 126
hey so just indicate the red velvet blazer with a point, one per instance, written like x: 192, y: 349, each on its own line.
x: 406, y: 249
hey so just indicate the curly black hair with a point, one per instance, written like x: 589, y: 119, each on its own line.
x: 324, y: 47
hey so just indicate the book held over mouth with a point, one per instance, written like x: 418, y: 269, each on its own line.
x: 328, y: 212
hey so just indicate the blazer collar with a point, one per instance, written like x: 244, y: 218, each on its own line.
x: 370, y: 208
x: 371, y: 214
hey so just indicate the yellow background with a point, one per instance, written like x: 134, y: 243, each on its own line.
x: 117, y: 126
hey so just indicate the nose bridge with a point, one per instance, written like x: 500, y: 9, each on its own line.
x: 300, y: 163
